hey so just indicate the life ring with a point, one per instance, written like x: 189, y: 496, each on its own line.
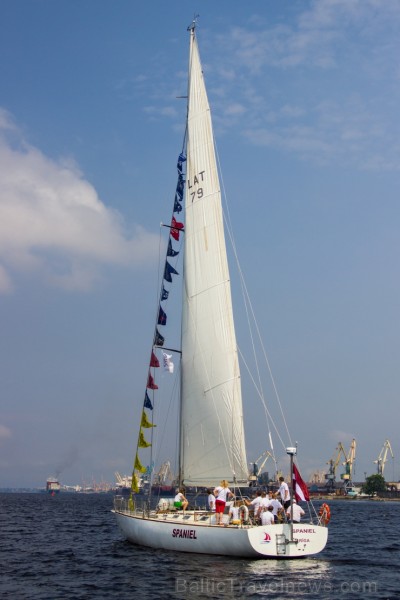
x: 325, y: 514
x: 243, y: 513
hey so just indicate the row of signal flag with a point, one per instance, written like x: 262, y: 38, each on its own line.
x: 175, y: 229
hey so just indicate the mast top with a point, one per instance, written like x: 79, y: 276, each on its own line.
x: 193, y: 24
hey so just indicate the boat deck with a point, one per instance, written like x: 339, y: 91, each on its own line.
x: 193, y: 516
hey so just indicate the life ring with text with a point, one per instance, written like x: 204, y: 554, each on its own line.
x: 243, y: 512
x: 325, y: 514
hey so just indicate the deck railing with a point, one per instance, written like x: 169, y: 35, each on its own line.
x: 126, y: 505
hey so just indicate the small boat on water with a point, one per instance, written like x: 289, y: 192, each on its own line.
x: 211, y: 425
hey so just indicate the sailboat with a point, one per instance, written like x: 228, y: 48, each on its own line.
x: 211, y: 438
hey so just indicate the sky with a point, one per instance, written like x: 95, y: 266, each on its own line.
x: 305, y: 97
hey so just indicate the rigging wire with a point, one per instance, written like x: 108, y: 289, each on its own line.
x: 248, y: 305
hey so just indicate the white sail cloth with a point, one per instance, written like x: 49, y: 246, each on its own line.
x: 212, y: 434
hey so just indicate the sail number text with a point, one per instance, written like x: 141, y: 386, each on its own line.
x: 194, y: 186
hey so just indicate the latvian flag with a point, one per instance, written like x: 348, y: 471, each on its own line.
x: 299, y: 487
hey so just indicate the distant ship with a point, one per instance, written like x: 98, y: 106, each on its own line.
x: 53, y: 486
x: 123, y: 487
x: 163, y: 482
x: 123, y: 484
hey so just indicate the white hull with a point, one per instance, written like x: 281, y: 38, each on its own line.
x: 196, y: 533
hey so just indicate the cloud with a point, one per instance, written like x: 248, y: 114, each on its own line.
x: 350, y: 133
x: 305, y: 141
x: 284, y: 46
x: 235, y: 109
x: 5, y: 433
x: 326, y: 81
x: 52, y: 222
x: 165, y: 111
x: 6, y: 285
x: 319, y: 36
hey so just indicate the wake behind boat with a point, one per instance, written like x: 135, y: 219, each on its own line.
x: 211, y: 427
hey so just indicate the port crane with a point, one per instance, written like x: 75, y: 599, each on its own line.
x: 382, y: 458
x: 348, y: 462
x: 257, y: 468
x: 164, y: 474
x: 330, y: 476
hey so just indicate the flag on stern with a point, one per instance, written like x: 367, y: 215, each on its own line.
x: 299, y: 487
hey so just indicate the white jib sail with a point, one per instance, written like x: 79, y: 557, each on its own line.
x: 212, y: 434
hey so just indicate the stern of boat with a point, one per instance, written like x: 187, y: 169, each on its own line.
x: 275, y: 540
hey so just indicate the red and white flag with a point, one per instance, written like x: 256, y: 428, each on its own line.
x: 299, y: 487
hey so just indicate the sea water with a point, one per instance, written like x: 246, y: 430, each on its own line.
x: 68, y: 546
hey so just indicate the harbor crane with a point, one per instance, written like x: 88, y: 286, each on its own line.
x: 257, y: 468
x: 164, y: 475
x: 330, y: 476
x: 348, y: 462
x: 382, y: 458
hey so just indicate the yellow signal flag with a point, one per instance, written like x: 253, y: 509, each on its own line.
x: 145, y: 422
x: 139, y: 466
x: 142, y: 442
x: 135, y: 484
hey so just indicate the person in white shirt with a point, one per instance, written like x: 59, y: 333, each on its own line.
x: 264, y: 503
x: 284, y: 492
x: 234, y: 513
x: 211, y: 500
x: 277, y: 508
x: 298, y: 512
x: 254, y: 504
x: 180, y: 501
x: 221, y: 493
x: 267, y: 517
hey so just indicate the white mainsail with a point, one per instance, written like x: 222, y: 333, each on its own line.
x: 212, y: 434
